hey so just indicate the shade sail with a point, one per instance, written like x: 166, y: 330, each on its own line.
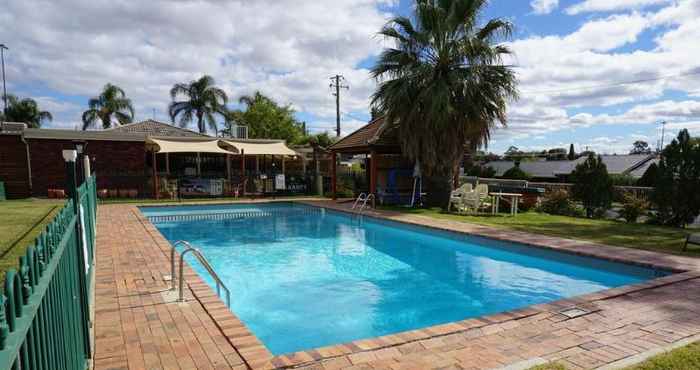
x: 260, y: 147
x: 189, y: 146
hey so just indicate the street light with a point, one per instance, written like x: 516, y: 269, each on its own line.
x: 4, y: 89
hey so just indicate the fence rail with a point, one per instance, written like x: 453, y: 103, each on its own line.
x: 44, y: 309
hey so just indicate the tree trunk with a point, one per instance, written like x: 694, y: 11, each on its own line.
x: 439, y: 187
x: 200, y: 124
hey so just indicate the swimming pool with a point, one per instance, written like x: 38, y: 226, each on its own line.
x: 303, y: 277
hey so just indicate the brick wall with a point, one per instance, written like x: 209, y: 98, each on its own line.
x: 13, y: 166
x: 119, y: 164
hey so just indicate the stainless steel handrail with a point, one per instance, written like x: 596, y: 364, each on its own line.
x: 360, y: 198
x: 364, y: 204
x: 200, y: 257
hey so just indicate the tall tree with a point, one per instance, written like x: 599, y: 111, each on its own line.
x: 202, y: 101
x: 640, y: 147
x: 267, y: 120
x: 676, y: 194
x: 26, y: 111
x: 572, y: 153
x: 444, y: 85
x: 111, y: 107
x: 593, y: 186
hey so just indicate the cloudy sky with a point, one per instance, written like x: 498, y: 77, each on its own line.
x: 596, y: 73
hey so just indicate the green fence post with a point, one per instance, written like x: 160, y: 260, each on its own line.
x: 70, y: 157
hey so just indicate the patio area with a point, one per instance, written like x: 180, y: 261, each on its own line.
x: 139, y: 326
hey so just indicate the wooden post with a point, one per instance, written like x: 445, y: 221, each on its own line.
x: 228, y: 167
x: 199, y: 165
x: 334, y: 185
x: 244, y: 178
x: 167, y: 163
x: 373, y: 172
x: 155, y: 176
x: 283, y: 165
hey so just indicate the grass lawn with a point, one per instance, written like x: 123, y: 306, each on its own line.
x: 642, y: 236
x: 20, y: 222
x: 684, y: 358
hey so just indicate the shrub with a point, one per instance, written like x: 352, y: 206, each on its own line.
x: 623, y: 180
x: 593, y: 186
x: 649, y: 176
x: 515, y: 173
x: 676, y: 194
x: 633, y: 207
x: 480, y: 171
x: 558, y: 202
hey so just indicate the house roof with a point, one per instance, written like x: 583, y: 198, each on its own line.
x: 633, y: 165
x: 374, y: 134
x: 155, y: 128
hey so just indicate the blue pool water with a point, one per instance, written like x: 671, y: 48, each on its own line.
x: 302, y: 278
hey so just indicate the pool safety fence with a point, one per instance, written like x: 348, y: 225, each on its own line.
x: 45, y: 305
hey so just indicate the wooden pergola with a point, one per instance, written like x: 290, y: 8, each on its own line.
x: 373, y: 139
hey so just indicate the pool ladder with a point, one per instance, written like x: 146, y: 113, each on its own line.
x: 364, y: 198
x: 200, y: 257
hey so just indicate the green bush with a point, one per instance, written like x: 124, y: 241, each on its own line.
x: 623, y: 180
x: 633, y: 207
x: 593, y: 186
x: 515, y: 173
x: 480, y: 171
x: 558, y: 202
x: 676, y: 194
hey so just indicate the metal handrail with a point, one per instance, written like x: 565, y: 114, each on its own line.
x: 364, y: 204
x: 360, y: 197
x: 200, y: 257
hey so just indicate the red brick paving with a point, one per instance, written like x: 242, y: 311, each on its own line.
x: 137, y: 329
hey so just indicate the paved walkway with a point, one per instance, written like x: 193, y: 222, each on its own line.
x: 138, y: 327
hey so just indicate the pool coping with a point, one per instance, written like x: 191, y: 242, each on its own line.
x: 257, y: 356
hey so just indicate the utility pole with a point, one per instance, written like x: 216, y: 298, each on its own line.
x: 663, y: 134
x: 337, y: 83
x: 4, y: 89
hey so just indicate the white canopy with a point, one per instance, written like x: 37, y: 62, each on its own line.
x: 174, y: 145
x: 260, y: 147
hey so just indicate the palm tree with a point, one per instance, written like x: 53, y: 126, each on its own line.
x: 25, y: 110
x: 111, y: 104
x: 444, y: 85
x: 203, y: 100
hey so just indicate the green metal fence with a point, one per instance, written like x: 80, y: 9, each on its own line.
x: 44, y: 311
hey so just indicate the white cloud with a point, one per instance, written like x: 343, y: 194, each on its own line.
x: 611, y: 5
x: 285, y: 48
x: 544, y: 6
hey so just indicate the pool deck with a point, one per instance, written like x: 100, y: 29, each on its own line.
x: 139, y: 325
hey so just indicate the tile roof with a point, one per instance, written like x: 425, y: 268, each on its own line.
x: 375, y: 133
x: 155, y: 128
x: 634, y: 165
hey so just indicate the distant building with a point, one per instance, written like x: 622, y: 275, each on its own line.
x: 559, y: 171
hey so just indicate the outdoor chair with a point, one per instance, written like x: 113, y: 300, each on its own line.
x: 691, y: 239
x: 457, y: 196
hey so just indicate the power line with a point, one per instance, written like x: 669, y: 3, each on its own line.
x: 621, y: 83
x: 337, y: 83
